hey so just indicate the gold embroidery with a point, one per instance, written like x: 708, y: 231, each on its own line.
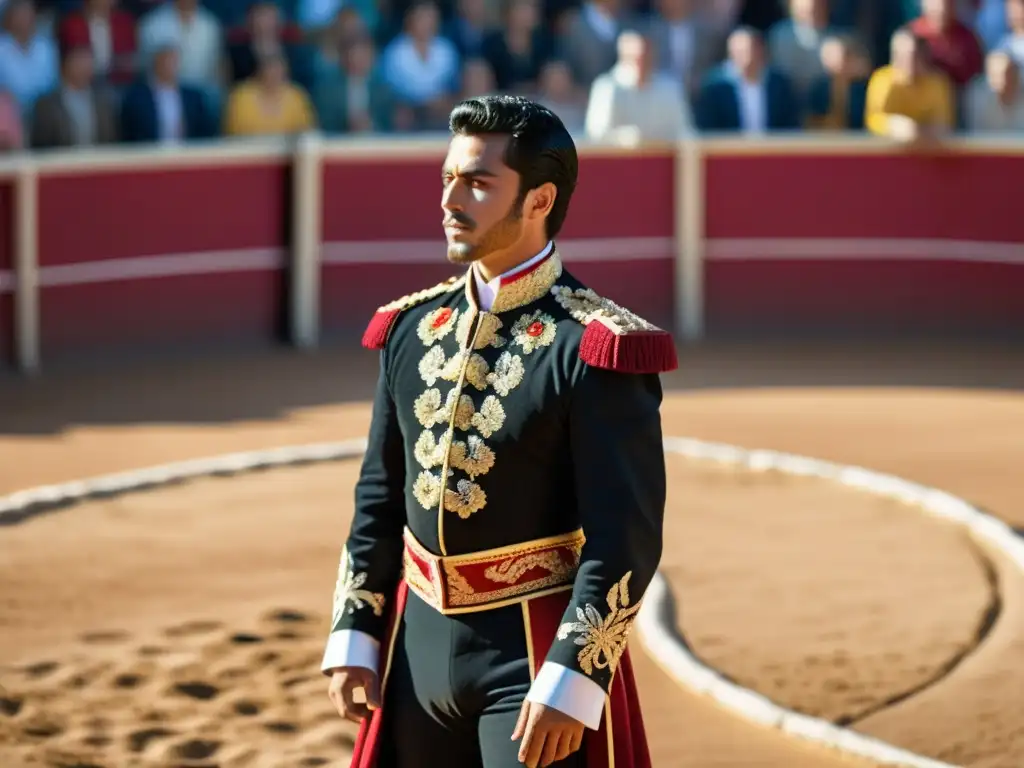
x: 432, y: 365
x: 464, y: 414
x: 467, y: 498
x: 457, y: 582
x: 476, y: 370
x: 490, y: 418
x: 533, y: 331
x: 427, y: 490
x: 528, y: 288
x: 507, y: 375
x: 414, y: 576
x: 603, y: 640
x: 449, y: 285
x: 349, y: 595
x: 510, y: 571
x: 587, y: 307
x: 428, y: 452
x: 437, y: 324
x: 428, y: 408
x: 473, y: 457
x: 486, y: 336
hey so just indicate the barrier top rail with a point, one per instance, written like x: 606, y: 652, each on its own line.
x: 229, y: 151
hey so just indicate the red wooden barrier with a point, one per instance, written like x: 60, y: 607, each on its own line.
x: 162, y: 255
x: 382, y: 232
x: 6, y: 270
x: 817, y: 242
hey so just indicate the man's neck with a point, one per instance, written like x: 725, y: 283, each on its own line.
x: 499, y: 263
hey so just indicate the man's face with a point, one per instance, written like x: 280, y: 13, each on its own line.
x: 939, y: 11
x: 78, y: 69
x: 745, y: 53
x: 479, y: 201
x: 1015, y: 14
x: 812, y: 12
x: 906, y: 55
x: 1001, y: 73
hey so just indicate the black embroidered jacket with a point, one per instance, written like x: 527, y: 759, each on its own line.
x: 534, y: 419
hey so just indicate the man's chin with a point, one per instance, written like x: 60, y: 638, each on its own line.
x: 461, y: 253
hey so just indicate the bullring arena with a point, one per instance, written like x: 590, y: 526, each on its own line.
x: 849, y: 568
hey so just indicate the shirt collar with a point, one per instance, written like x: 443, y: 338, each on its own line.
x: 518, y: 286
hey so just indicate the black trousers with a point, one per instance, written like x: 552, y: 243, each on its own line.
x: 455, y: 689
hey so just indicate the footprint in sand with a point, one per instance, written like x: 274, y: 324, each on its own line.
x: 104, y: 637
x: 247, y: 708
x: 42, y: 727
x: 190, y: 628
x: 139, y: 740
x: 41, y: 669
x: 196, y: 689
x: 281, y: 726
x: 287, y: 616
x: 196, y: 749
x: 10, y: 705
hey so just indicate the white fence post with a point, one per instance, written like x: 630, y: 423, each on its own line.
x: 690, y: 239
x: 307, y: 203
x: 26, y: 269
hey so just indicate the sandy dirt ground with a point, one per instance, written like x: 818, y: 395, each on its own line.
x: 184, y: 626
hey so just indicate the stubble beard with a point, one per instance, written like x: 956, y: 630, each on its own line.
x: 500, y: 236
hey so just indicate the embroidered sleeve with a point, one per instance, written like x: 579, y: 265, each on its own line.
x: 619, y: 475
x: 371, y: 560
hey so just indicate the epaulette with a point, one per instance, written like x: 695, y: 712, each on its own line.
x: 377, y: 332
x: 614, y: 338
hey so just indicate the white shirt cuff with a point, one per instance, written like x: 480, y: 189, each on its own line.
x: 351, y: 648
x: 570, y: 692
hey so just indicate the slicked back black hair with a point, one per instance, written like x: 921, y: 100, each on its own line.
x: 539, y: 147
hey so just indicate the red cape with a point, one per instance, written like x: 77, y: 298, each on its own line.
x: 621, y: 741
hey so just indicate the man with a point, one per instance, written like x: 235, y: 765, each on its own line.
x: 745, y: 94
x: 634, y: 103
x: 907, y: 100
x: 161, y: 109
x: 995, y: 102
x: 953, y: 46
x: 508, y: 513
x: 77, y: 113
x: 686, y: 44
x: 794, y: 44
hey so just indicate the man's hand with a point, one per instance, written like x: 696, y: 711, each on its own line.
x: 345, y: 682
x: 548, y: 735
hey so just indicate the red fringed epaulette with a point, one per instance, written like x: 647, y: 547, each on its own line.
x: 377, y: 332
x: 615, y: 338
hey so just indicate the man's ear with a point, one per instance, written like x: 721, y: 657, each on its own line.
x: 540, y: 201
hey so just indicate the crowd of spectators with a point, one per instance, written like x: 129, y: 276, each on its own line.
x: 89, y: 72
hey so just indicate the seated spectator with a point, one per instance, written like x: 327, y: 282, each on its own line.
x: 588, y: 45
x: 195, y: 33
x: 265, y: 34
x: 1013, y: 41
x: 28, y: 58
x: 159, y: 108
x: 687, y: 45
x: 11, y: 136
x: 557, y: 92
x: 794, y: 44
x: 477, y: 79
x: 634, y: 102
x: 268, y: 104
x: 991, y: 23
x: 317, y: 17
x: 953, y: 46
x: 110, y: 33
x: 908, y: 100
x: 519, y: 47
x: 745, y: 94
x: 352, y: 98
x: 466, y: 29
x: 837, y: 98
x: 995, y: 102
x: 78, y: 113
x: 422, y: 68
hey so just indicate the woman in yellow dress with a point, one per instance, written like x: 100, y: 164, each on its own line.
x: 268, y: 104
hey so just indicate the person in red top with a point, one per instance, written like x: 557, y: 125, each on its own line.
x: 953, y: 45
x: 109, y: 32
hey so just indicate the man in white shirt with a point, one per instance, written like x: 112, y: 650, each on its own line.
x: 508, y: 513
x: 995, y: 101
x: 634, y: 103
x: 195, y: 33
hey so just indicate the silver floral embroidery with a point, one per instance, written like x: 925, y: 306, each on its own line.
x: 432, y: 365
x: 533, y: 331
x: 507, y: 375
x: 349, y: 594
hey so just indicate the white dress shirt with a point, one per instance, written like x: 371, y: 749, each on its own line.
x: 170, y: 115
x: 555, y: 686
